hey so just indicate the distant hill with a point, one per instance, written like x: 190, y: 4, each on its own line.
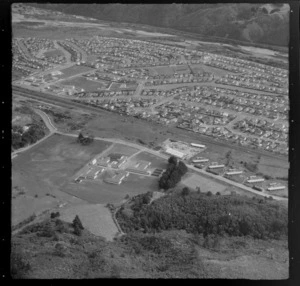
x: 253, y: 23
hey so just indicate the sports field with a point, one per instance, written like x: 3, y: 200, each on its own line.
x: 48, y: 166
x: 99, y: 192
x: 53, y: 53
x: 161, y: 71
x: 88, y: 85
x: 74, y: 70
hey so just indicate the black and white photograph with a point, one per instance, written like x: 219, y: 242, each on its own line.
x: 150, y: 141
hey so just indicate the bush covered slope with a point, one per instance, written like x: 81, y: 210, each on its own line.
x: 198, y: 213
x: 254, y: 23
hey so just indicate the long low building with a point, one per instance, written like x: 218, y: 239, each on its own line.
x: 255, y: 180
x: 276, y: 188
x: 198, y: 145
x: 203, y: 160
x: 216, y: 166
x: 175, y: 153
x: 232, y: 173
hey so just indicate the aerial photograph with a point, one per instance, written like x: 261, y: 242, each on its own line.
x: 150, y: 141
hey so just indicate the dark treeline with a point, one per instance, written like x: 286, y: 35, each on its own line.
x: 20, y: 139
x: 198, y: 213
x: 172, y: 176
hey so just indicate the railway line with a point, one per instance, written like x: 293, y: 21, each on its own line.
x: 52, y: 99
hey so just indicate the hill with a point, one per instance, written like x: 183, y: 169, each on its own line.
x: 52, y: 248
x: 252, y: 23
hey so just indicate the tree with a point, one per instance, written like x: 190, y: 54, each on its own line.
x: 209, y: 194
x: 55, y: 215
x: 77, y: 223
x: 80, y: 137
x: 172, y: 160
x: 182, y: 168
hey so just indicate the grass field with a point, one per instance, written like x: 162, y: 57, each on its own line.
x: 122, y: 149
x: 48, y: 166
x: 95, y: 218
x: 99, y: 192
x: 53, y: 53
x: 205, y: 184
x: 162, y: 70
x: 74, y: 70
x: 88, y: 85
x: 274, y: 168
x: 156, y: 162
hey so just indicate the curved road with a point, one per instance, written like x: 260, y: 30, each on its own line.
x: 53, y: 129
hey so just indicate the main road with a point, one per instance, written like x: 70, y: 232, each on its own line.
x: 53, y: 130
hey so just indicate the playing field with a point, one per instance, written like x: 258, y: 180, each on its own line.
x: 88, y: 85
x: 205, y: 184
x: 156, y: 162
x: 162, y: 70
x: 53, y: 53
x: 74, y: 70
x: 48, y: 166
x: 99, y: 192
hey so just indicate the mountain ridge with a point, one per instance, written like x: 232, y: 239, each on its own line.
x: 253, y: 23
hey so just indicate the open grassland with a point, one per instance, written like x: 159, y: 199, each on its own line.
x: 121, y: 149
x: 49, y: 165
x: 99, y: 192
x: 274, y: 168
x: 95, y: 218
x: 206, y: 185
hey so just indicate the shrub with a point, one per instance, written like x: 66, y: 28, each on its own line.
x: 54, y: 215
x: 19, y: 265
x: 185, y: 191
x: 59, y: 250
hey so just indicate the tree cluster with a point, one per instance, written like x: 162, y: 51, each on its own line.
x: 85, y: 140
x: 218, y: 215
x: 21, y: 139
x: 172, y: 176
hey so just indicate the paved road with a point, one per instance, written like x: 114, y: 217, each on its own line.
x: 157, y: 153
